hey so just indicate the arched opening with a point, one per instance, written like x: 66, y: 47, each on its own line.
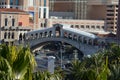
x: 75, y: 37
x: 40, y: 35
x: 70, y: 36
x: 90, y: 41
x: 5, y: 35
x: 57, y: 48
x: 36, y: 35
x: 50, y: 33
x: 80, y: 38
x: 102, y: 44
x: 20, y: 37
x: 95, y: 42
x: 46, y: 34
x: 65, y: 34
x: 84, y: 40
x: 13, y: 35
x: 57, y: 31
x: 9, y: 35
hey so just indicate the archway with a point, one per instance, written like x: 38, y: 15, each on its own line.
x: 20, y: 37
x: 57, y: 31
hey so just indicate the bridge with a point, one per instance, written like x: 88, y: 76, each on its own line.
x: 87, y: 43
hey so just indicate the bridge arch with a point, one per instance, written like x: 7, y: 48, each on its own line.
x: 85, y: 42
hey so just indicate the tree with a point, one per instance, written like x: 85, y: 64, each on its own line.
x: 46, y: 76
x: 17, y: 62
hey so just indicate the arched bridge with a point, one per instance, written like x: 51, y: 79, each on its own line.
x: 84, y: 41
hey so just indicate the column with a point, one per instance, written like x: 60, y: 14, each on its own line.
x: 8, y: 4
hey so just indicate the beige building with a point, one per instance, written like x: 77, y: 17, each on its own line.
x: 93, y: 26
x: 74, y: 9
x: 38, y: 10
x: 13, y: 24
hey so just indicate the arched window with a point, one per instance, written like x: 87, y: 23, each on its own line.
x: 50, y: 33
x: 24, y: 36
x: 9, y: 35
x: 36, y: 35
x: 13, y: 22
x: 41, y: 34
x: 20, y: 36
x: 45, y: 34
x: 5, y: 35
x: 13, y: 35
x: 6, y: 21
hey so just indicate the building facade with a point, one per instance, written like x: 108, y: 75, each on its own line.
x: 38, y: 10
x: 106, y: 10
x: 93, y: 26
x: 77, y: 7
x: 14, y: 24
x: 73, y: 9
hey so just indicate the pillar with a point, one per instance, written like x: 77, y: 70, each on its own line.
x: 8, y: 3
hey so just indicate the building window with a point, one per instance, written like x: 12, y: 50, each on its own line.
x: 20, y: 24
x: 44, y: 13
x: 82, y: 26
x: 93, y: 27
x: 6, y: 21
x: 5, y: 3
x: 9, y: 35
x: 87, y: 26
x: 12, y: 35
x: 103, y: 27
x: 44, y: 24
x: 76, y: 26
x: 5, y: 35
x: 13, y: 22
x: 44, y: 2
x: 17, y: 2
x: 71, y: 26
x: 98, y: 27
x: 41, y: 24
x: 11, y: 2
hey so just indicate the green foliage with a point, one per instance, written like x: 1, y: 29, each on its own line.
x: 16, y: 62
x: 46, y: 76
x: 104, y: 65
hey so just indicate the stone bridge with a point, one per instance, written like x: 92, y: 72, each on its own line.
x: 87, y: 43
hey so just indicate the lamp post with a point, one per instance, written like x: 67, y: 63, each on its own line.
x: 61, y: 51
x: 61, y: 55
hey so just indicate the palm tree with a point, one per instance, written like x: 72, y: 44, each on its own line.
x: 76, y: 71
x: 5, y: 70
x: 17, y: 62
x: 115, y: 72
x: 46, y: 76
x: 93, y: 68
